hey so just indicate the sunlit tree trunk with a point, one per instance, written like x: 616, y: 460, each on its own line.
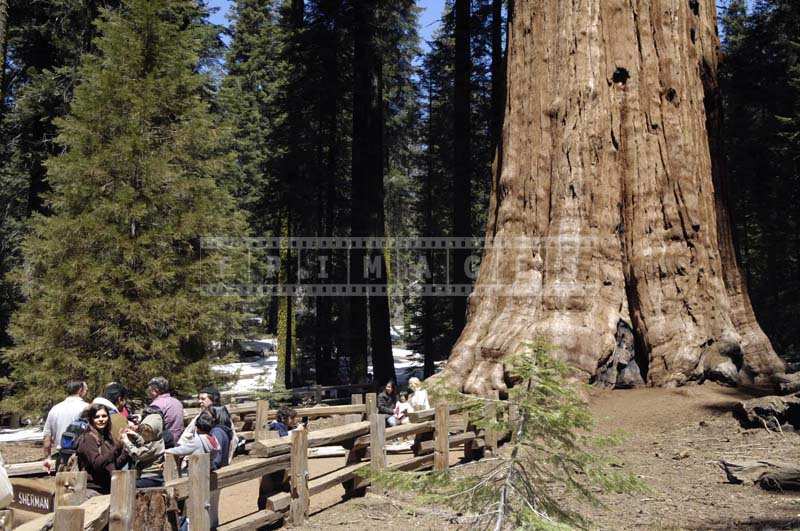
x: 605, y: 165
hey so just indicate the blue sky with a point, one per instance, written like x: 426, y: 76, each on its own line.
x: 428, y: 20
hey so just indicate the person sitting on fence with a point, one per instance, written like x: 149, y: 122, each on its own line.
x: 60, y: 417
x: 222, y: 431
x: 402, y: 408
x: 97, y: 452
x: 419, y: 397
x: 285, y: 421
x: 210, y: 400
x: 145, y: 446
x: 386, y: 402
x: 158, y: 391
x: 203, y: 442
x: 114, y: 397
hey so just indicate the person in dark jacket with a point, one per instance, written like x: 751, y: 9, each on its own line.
x: 222, y: 432
x: 97, y: 452
x: 386, y: 402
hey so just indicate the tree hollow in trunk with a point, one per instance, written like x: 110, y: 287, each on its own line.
x: 606, y: 169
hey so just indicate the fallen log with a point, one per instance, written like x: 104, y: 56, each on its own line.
x: 769, y: 412
x: 769, y: 475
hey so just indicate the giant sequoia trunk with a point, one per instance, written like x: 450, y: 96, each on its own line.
x: 604, y: 164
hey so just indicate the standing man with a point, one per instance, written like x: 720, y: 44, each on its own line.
x: 61, y: 416
x: 171, y: 407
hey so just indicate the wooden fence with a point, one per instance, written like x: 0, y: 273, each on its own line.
x: 364, y: 436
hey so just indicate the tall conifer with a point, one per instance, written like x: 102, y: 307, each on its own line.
x: 113, y: 278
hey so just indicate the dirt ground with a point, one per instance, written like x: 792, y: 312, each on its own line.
x: 673, y: 439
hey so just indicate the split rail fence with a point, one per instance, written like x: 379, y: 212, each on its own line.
x: 364, y: 436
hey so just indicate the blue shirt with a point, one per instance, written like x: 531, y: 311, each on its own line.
x: 220, y: 459
x: 282, y: 429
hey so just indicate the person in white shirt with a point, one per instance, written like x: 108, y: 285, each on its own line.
x: 61, y: 416
x: 419, y: 400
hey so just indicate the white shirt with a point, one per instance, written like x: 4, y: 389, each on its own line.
x: 61, y: 416
x: 419, y: 400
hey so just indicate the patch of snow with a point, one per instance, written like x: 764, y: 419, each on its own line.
x: 255, y: 374
x: 21, y: 434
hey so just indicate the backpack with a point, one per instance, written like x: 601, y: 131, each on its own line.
x: 69, y: 439
x: 68, y: 445
x: 169, y: 439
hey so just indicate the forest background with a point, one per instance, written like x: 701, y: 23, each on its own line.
x: 382, y: 122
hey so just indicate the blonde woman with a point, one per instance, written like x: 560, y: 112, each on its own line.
x: 419, y: 400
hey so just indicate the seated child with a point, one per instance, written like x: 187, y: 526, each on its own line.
x: 402, y: 408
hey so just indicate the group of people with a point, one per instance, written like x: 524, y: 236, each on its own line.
x: 396, y: 406
x: 104, y: 435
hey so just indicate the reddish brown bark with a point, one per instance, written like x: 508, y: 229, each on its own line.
x: 605, y: 164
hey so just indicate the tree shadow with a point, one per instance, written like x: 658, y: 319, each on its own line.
x: 753, y: 524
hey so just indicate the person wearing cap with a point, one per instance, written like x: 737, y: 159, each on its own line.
x: 171, y: 407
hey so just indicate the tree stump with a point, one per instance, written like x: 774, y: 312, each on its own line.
x: 769, y: 475
x: 151, y: 510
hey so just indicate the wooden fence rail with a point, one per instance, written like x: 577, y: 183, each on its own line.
x: 198, y: 492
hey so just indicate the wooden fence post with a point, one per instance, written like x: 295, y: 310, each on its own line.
x: 123, y: 500
x: 6, y: 520
x: 317, y: 394
x: 372, y: 405
x: 298, y: 476
x: 377, y: 441
x: 490, y: 410
x: 441, y: 443
x: 355, y: 399
x: 68, y: 519
x: 199, y: 501
x: 260, y: 429
x: 70, y: 489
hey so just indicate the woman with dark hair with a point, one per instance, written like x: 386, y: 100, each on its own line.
x: 97, y: 452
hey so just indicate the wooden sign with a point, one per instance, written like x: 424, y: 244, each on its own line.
x: 34, y: 495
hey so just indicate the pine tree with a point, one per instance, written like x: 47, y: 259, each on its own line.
x: 550, y: 451
x: 113, y: 279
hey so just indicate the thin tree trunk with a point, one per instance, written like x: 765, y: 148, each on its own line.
x: 366, y: 151
x: 427, y: 300
x: 604, y: 165
x: 326, y: 370
x: 498, y: 71
x: 379, y: 320
x: 462, y: 167
x: 367, y: 176
x: 287, y: 347
x: 3, y: 50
